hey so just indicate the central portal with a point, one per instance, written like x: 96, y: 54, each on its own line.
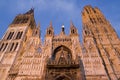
x: 61, y: 66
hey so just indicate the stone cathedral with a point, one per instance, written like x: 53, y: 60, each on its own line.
x: 23, y: 56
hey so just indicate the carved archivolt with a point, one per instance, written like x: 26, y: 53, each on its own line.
x: 61, y: 66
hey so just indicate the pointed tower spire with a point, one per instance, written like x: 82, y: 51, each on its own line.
x: 71, y: 24
x: 50, y: 24
x: 31, y: 11
x: 36, y: 31
x: 73, y: 29
x: 50, y: 30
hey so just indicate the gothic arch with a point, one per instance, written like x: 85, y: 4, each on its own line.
x: 59, y: 51
x: 61, y: 66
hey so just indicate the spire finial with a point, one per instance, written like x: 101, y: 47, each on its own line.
x: 31, y: 11
x: 71, y: 24
x: 39, y: 25
x: 50, y: 24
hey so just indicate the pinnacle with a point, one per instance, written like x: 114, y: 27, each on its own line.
x: 71, y: 24
x: 50, y: 24
x: 31, y: 11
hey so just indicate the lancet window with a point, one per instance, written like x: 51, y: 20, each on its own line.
x: 1, y: 47
x: 10, y: 35
x: 11, y: 46
x: 19, y: 34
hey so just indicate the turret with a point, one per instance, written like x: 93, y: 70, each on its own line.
x: 36, y: 31
x: 50, y: 30
x: 73, y: 30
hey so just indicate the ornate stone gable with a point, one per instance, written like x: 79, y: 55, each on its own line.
x: 62, y: 66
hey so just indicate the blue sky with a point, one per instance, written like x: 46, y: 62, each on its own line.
x: 58, y: 11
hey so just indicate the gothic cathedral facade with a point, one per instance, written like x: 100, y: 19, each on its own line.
x: 23, y: 56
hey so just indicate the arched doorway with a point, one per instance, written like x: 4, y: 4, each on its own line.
x: 61, y: 65
x: 62, y: 51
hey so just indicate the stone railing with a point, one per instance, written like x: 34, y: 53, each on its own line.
x: 57, y: 64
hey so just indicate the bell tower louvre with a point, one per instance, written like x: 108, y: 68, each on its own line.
x: 23, y: 55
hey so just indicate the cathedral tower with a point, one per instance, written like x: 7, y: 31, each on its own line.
x: 13, y: 42
x: 99, y: 32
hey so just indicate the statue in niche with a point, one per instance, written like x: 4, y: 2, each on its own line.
x: 62, y: 56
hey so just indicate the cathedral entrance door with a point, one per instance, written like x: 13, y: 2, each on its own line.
x: 62, y: 66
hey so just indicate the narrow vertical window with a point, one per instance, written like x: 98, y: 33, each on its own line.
x: 16, y: 46
x: 49, y: 32
x: 73, y: 31
x: 85, y: 32
x: 5, y: 46
x: 36, y: 32
x: 93, y: 10
x: 1, y: 47
x: 10, y: 35
x: 87, y: 11
x: 19, y: 35
x: 11, y: 46
x: 91, y: 20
